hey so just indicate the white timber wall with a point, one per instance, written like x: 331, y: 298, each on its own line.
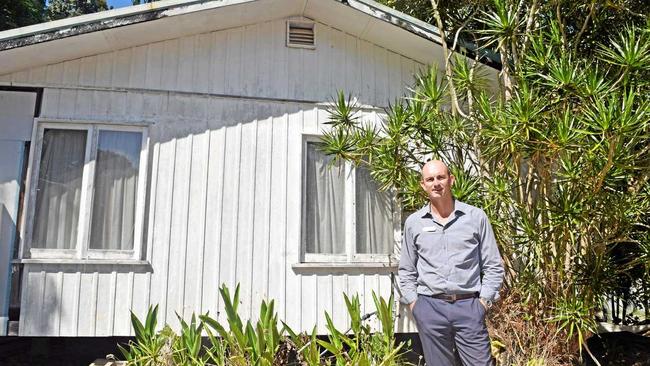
x: 244, y: 61
x: 227, y: 111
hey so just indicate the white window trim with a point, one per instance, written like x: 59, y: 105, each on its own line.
x: 81, y: 249
x: 350, y: 255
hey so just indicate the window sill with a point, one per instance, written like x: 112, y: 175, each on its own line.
x: 345, y: 267
x: 89, y: 265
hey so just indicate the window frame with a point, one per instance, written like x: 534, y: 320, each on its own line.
x: 81, y: 248
x: 350, y: 219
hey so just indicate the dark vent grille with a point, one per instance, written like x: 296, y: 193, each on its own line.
x: 300, y: 34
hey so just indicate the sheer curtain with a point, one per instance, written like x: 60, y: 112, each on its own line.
x: 374, y: 215
x: 58, y: 196
x: 115, y: 190
x: 325, y: 199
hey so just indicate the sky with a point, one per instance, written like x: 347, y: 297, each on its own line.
x: 119, y: 3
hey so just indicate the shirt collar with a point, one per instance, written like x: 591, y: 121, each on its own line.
x: 460, y: 208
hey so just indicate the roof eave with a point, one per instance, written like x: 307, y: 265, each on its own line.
x: 88, y: 23
x: 104, y: 20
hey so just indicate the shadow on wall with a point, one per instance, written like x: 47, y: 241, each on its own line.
x: 7, y: 230
x: 214, y: 165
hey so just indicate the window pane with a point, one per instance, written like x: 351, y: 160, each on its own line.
x: 374, y: 216
x: 59, y: 189
x: 325, y: 197
x: 116, y: 185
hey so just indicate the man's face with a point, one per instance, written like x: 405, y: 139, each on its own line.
x: 436, y: 181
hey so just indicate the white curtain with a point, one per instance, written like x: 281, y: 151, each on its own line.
x: 374, y: 216
x: 115, y: 189
x: 325, y: 231
x: 59, y: 189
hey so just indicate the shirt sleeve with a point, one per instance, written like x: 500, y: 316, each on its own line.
x: 407, y: 271
x: 491, y: 263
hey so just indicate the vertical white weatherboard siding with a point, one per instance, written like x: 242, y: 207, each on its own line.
x: 224, y: 207
x: 248, y: 61
x: 225, y: 178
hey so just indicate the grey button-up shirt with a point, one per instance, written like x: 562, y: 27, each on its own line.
x: 449, y: 258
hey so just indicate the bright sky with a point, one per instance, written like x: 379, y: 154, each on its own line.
x: 119, y: 3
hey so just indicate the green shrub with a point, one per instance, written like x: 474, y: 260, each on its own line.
x: 245, y: 344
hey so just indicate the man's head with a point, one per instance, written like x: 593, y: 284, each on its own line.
x: 437, y: 181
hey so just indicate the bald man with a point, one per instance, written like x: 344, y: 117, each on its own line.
x: 450, y: 272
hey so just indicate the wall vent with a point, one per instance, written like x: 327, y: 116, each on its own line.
x: 300, y: 34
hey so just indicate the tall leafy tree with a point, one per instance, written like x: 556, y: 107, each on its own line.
x: 20, y: 13
x: 60, y: 9
x: 559, y: 156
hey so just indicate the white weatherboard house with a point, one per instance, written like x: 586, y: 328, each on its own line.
x: 151, y: 153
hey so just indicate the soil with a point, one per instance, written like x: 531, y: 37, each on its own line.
x: 619, y: 348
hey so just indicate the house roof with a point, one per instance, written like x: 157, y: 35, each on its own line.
x: 136, y: 25
x: 43, y: 32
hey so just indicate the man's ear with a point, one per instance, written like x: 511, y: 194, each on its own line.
x: 452, y: 179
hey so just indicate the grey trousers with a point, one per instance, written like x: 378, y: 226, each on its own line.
x: 443, y: 325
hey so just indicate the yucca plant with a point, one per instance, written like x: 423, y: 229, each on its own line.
x: 306, y: 346
x: 559, y: 159
x: 236, y: 342
x: 358, y: 345
x: 385, y: 350
x: 264, y: 339
x: 244, y: 344
x: 187, y: 347
x: 258, y: 345
x: 148, y: 349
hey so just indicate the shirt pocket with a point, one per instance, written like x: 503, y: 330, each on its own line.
x: 465, y: 251
x: 464, y: 242
x: 428, y: 242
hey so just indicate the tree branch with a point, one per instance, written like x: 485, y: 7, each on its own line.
x: 558, y: 14
x: 455, y: 108
x: 608, y: 165
x: 590, y: 15
x: 529, y: 26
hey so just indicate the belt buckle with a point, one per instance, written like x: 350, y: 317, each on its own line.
x: 453, y: 298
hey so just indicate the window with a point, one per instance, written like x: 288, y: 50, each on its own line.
x: 87, y: 191
x: 346, y: 218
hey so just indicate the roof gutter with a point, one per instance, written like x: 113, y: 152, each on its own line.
x: 423, y: 29
x: 390, y: 15
x: 104, y: 20
x: 50, y: 31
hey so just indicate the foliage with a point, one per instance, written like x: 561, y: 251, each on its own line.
x: 247, y: 345
x: 20, y: 13
x: 558, y: 158
x: 61, y: 9
x: 520, y: 334
x: 138, y: 2
x: 308, y: 351
x: 362, y: 347
x: 584, y: 22
x: 187, y: 347
x: 265, y: 344
x: 149, y: 346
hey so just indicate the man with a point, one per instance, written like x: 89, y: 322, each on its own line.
x: 446, y: 246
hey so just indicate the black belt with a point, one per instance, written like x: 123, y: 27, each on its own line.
x: 454, y: 297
